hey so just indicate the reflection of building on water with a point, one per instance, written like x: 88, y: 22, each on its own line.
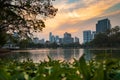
x: 56, y: 54
x: 76, y: 54
x: 64, y: 54
x: 69, y: 54
x: 88, y: 55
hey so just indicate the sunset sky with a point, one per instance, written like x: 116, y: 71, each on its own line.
x: 75, y: 16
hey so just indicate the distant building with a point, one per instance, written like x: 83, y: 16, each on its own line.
x: 103, y: 25
x: 42, y: 41
x: 87, y: 36
x: 67, y: 38
x: 15, y: 35
x: 10, y: 45
x: 93, y: 34
x: 36, y: 40
x: 57, y: 39
x: 76, y: 40
x: 50, y: 36
x: 60, y: 40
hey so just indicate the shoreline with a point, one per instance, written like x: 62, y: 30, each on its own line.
x: 4, y: 51
x: 102, y: 48
x: 69, y: 48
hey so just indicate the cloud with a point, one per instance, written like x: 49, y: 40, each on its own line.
x: 74, y: 17
x: 65, y: 13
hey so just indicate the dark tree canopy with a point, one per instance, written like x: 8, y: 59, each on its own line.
x: 110, y: 38
x: 25, y: 16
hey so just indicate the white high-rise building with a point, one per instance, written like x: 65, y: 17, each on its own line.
x: 87, y: 36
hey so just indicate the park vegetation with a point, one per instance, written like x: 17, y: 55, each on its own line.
x: 57, y: 70
x: 24, y: 17
x: 108, y: 39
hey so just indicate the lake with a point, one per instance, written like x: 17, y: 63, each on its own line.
x: 67, y: 55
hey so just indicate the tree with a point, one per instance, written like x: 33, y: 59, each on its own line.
x: 25, y: 16
x: 110, y: 38
x: 3, y: 39
x: 101, y: 40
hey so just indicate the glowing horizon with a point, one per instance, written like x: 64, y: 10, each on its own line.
x: 75, y: 16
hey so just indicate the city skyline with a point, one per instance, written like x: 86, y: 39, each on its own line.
x: 75, y: 16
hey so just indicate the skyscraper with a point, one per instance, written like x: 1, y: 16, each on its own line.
x: 93, y: 34
x: 67, y: 38
x: 50, y: 36
x: 87, y: 36
x: 76, y: 40
x: 57, y: 39
x: 103, y: 25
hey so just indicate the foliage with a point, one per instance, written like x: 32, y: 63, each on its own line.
x: 111, y: 38
x: 3, y: 38
x: 57, y: 70
x: 25, y: 16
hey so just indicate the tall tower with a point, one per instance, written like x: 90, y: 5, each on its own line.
x: 103, y: 25
x: 50, y: 36
x: 87, y: 36
x: 67, y: 38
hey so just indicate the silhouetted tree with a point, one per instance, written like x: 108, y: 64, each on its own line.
x: 110, y: 38
x: 3, y: 38
x: 25, y: 16
x: 100, y: 40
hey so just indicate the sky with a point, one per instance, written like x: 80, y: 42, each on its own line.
x: 75, y: 16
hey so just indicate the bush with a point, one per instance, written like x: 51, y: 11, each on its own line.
x: 57, y: 70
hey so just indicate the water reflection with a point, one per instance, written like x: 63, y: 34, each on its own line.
x: 88, y: 54
x: 61, y: 54
x: 64, y: 54
x: 41, y: 54
x: 101, y: 54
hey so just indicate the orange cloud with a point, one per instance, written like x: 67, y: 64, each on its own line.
x: 78, y: 12
x: 81, y: 14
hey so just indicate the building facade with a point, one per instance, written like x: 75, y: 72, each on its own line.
x: 103, y: 25
x: 42, y: 41
x: 67, y: 38
x: 87, y: 36
x: 93, y: 34
x: 36, y: 40
x: 76, y: 40
x: 50, y: 36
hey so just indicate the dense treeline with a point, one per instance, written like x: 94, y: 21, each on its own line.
x: 110, y: 38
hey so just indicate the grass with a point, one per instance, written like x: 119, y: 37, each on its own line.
x: 57, y: 70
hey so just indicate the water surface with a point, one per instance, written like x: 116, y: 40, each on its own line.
x: 61, y: 54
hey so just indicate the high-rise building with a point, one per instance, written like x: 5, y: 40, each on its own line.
x: 52, y: 39
x: 93, y: 34
x: 57, y: 39
x: 67, y: 38
x: 103, y: 25
x: 36, y: 40
x: 50, y: 36
x: 42, y: 41
x: 76, y: 40
x: 87, y: 36
x: 60, y: 40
